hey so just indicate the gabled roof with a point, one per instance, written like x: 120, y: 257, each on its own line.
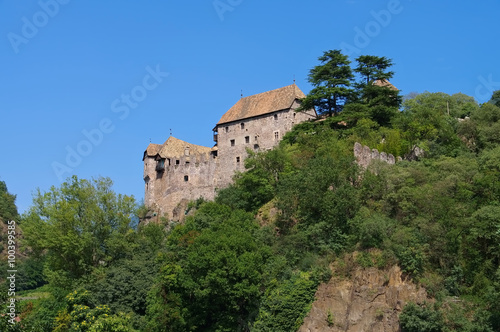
x: 263, y: 103
x: 385, y: 83
x: 152, y: 150
x: 174, y: 147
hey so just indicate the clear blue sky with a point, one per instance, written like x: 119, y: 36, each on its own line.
x: 67, y: 67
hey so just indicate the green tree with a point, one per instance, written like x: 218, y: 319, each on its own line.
x: 482, y: 242
x: 495, y: 98
x: 257, y: 185
x: 416, y: 318
x: 78, y: 226
x: 320, y: 196
x: 331, y: 81
x: 373, y: 68
x: 374, y: 96
x: 487, y: 124
x: 285, y: 304
x: 212, y: 278
x: 8, y: 209
x: 81, y: 315
x: 429, y: 120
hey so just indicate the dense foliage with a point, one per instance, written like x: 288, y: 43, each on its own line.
x: 252, y: 259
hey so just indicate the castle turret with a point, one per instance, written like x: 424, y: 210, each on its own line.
x: 175, y: 173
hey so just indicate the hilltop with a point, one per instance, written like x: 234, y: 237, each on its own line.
x: 304, y: 238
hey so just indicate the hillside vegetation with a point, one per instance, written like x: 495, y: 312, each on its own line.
x: 253, y: 259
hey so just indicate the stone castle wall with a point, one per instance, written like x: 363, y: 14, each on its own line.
x: 190, y: 177
x: 258, y: 134
x: 168, y: 192
x: 364, y: 155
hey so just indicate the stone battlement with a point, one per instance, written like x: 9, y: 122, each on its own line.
x: 364, y: 155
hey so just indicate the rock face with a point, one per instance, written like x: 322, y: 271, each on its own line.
x: 371, y: 300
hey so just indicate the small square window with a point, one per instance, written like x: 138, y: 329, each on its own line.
x: 242, y: 125
x: 275, y: 116
x: 227, y: 129
x: 186, y: 178
x: 237, y: 159
x: 177, y: 162
x: 232, y: 142
x: 247, y: 139
x: 276, y: 135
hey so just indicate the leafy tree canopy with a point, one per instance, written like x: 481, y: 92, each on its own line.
x: 331, y: 81
x: 8, y: 209
x: 78, y: 226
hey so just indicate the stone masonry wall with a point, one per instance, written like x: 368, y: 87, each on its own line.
x: 258, y: 134
x: 172, y: 189
x: 190, y: 177
x: 364, y: 155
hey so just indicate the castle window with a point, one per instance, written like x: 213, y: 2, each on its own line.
x: 242, y: 126
x: 255, y: 138
x: 256, y: 146
x: 237, y: 159
x: 275, y: 116
x: 276, y: 135
x: 186, y: 151
x: 232, y: 142
x: 186, y: 178
x: 177, y: 161
x: 294, y: 114
x: 160, y: 166
x: 227, y: 129
x: 247, y: 139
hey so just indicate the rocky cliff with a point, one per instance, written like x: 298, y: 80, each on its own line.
x: 369, y: 300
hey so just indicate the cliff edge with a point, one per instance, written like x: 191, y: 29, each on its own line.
x: 369, y: 300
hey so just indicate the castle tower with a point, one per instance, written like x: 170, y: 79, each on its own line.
x: 175, y: 173
x: 258, y: 123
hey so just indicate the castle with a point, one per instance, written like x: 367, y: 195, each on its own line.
x: 177, y: 172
